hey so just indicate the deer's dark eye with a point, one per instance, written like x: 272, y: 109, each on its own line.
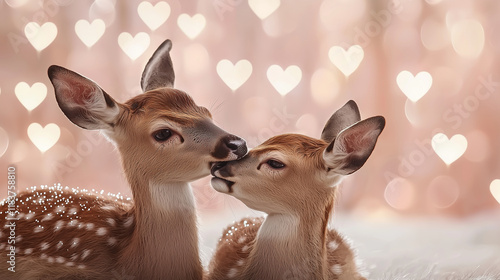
x: 275, y: 164
x: 162, y: 135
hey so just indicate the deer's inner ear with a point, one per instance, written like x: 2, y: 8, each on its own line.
x: 82, y: 100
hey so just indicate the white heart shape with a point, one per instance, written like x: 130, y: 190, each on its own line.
x: 449, y: 150
x: 133, y: 46
x: 414, y: 87
x: 346, y: 61
x: 264, y: 8
x: 40, y: 37
x: 495, y: 189
x: 153, y: 16
x: 32, y: 96
x: 44, y: 137
x: 284, y: 81
x: 191, y: 26
x: 90, y: 33
x: 234, y: 75
x: 4, y: 141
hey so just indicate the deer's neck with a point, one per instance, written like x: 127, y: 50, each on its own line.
x: 164, y: 244
x: 289, y: 246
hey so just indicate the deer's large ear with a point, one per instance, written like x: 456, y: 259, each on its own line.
x: 344, y: 117
x: 353, y: 145
x: 82, y: 100
x: 159, y: 71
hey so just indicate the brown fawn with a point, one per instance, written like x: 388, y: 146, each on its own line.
x: 165, y: 141
x: 293, y: 179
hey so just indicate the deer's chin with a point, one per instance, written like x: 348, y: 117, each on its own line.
x: 222, y: 185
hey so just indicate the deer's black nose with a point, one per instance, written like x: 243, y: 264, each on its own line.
x: 236, y: 145
x: 230, y: 144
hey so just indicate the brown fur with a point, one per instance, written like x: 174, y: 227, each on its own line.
x: 162, y: 243
x: 294, y: 241
x: 165, y: 141
x: 65, y: 233
x: 238, y: 239
x: 169, y: 103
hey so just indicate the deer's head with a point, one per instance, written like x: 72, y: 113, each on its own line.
x: 291, y: 170
x: 162, y: 135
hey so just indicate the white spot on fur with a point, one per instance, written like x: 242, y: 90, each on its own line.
x: 111, y: 241
x: 111, y: 222
x: 85, y: 253
x: 245, y: 248
x: 75, y: 242
x: 90, y: 226
x: 38, y: 229
x: 58, y: 225
x: 129, y: 221
x: 333, y: 245
x: 108, y: 208
x: 59, y: 245
x: 72, y: 223
x: 81, y: 266
x: 232, y: 272
x: 30, y: 216
x: 28, y: 251
x: 2, y: 245
x: 101, y: 231
x: 242, y: 239
x: 60, y: 260
x: 70, y: 264
x: 44, y: 246
x: 19, y: 238
x: 73, y: 211
x: 336, y: 269
x: 240, y: 262
x: 50, y: 259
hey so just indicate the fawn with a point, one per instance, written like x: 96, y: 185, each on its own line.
x: 293, y: 179
x: 165, y: 141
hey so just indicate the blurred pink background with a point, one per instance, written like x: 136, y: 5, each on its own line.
x: 429, y: 67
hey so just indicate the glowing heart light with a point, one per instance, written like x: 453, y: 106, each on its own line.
x: 40, y: 37
x: 4, y: 141
x: 234, y: 75
x: 449, y: 150
x: 32, y: 96
x: 153, y: 16
x: 284, y: 80
x: 88, y: 32
x: 133, y: 47
x: 44, y: 137
x: 191, y: 26
x: 414, y: 87
x: 346, y: 61
x: 495, y: 189
x: 264, y: 8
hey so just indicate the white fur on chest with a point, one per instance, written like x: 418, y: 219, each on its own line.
x: 172, y: 196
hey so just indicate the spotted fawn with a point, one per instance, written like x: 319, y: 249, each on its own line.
x: 293, y: 179
x: 165, y: 141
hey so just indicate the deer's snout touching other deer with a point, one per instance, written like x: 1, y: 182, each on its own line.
x: 165, y: 141
x: 293, y: 179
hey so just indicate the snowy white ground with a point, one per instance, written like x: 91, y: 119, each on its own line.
x: 404, y: 248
